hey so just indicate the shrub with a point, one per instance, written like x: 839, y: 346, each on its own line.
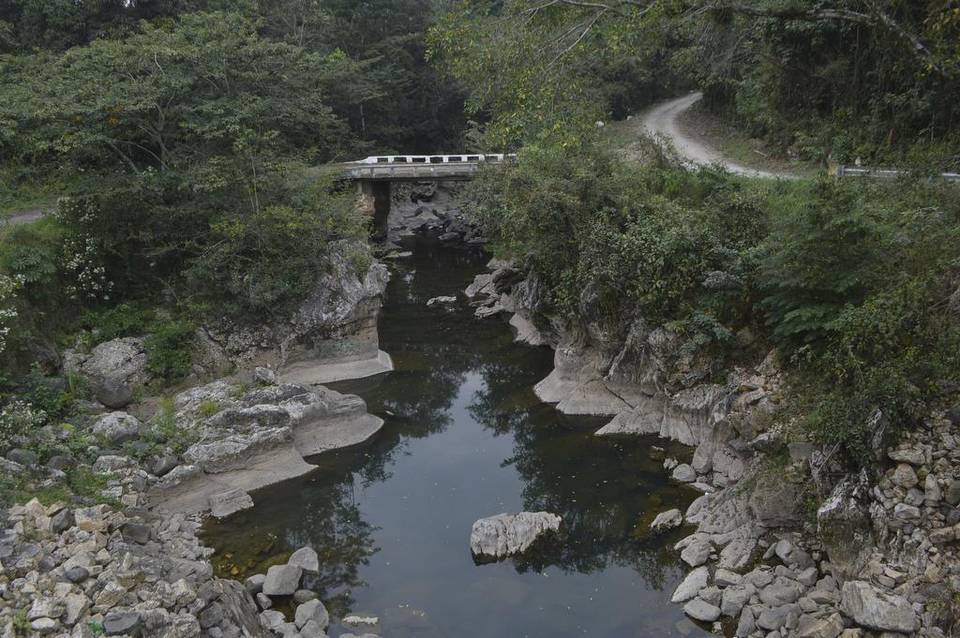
x: 52, y: 396
x: 823, y: 253
x: 207, y: 409
x: 122, y: 320
x: 614, y: 240
x: 18, y: 422
x: 168, y: 346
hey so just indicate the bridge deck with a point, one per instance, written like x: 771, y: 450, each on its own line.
x: 462, y: 170
x: 414, y: 167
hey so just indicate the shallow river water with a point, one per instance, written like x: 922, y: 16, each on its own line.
x: 465, y: 438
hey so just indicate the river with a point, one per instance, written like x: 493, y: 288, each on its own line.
x: 465, y: 438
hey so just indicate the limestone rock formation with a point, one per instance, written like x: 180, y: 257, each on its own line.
x: 878, y: 610
x: 330, y: 336
x: 255, y: 439
x: 507, y: 534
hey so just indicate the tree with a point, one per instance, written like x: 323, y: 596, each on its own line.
x: 199, y: 131
x: 884, y: 73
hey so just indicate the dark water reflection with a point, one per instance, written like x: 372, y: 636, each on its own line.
x: 465, y: 437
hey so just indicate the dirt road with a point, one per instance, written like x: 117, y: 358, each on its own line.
x: 661, y: 120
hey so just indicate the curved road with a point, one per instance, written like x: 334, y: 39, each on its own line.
x: 22, y: 217
x: 661, y: 120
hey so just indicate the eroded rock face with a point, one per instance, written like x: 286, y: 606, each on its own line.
x: 330, y: 336
x: 875, y: 609
x: 255, y: 439
x: 507, y: 534
x: 337, y: 323
x: 845, y: 528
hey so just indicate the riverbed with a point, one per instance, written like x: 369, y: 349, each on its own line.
x: 466, y: 438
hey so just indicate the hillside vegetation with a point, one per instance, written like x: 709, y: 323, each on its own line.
x: 856, y: 283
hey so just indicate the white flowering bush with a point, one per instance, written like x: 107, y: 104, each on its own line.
x: 8, y: 311
x: 83, y: 264
x: 18, y: 420
x: 84, y: 270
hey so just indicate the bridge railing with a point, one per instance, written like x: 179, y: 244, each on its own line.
x: 880, y: 173
x: 464, y: 158
x: 422, y: 166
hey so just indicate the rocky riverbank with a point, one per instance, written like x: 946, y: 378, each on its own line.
x: 784, y: 543
x: 137, y: 568
x: 123, y: 557
x: 90, y: 571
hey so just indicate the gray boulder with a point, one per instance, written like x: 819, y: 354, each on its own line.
x: 878, y: 610
x: 701, y: 610
x: 684, y: 473
x: 667, y: 520
x: 691, y: 585
x: 226, y: 503
x: 312, y: 610
x: 282, y: 580
x: 824, y: 627
x: 117, y: 427
x: 507, y: 534
x: 306, y: 559
x: 115, y: 370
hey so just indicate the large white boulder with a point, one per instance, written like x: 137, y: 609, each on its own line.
x: 507, y: 534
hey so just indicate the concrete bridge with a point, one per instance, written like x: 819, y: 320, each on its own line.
x: 374, y: 174
x: 421, y: 167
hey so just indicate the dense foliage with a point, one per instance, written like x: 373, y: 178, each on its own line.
x: 824, y: 81
x: 667, y: 245
x: 183, y: 138
x: 880, y: 86
x: 851, y: 280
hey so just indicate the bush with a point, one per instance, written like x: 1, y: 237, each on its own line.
x: 169, y: 352
x: 613, y: 240
x: 123, y: 320
x: 19, y: 421
x: 823, y: 253
x: 856, y: 281
x: 52, y: 396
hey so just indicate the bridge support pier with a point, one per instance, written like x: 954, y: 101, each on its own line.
x: 374, y: 201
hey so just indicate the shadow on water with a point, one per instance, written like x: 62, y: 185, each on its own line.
x: 465, y: 437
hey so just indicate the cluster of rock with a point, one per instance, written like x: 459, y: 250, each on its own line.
x: 254, y: 439
x: 241, y: 440
x: 288, y: 582
x: 428, y: 206
x: 310, y: 618
x: 504, y: 535
x: 91, y: 571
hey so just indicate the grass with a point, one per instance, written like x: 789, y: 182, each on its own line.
x: 81, y: 482
x: 28, y: 191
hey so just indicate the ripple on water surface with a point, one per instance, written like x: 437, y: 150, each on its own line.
x: 465, y: 438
